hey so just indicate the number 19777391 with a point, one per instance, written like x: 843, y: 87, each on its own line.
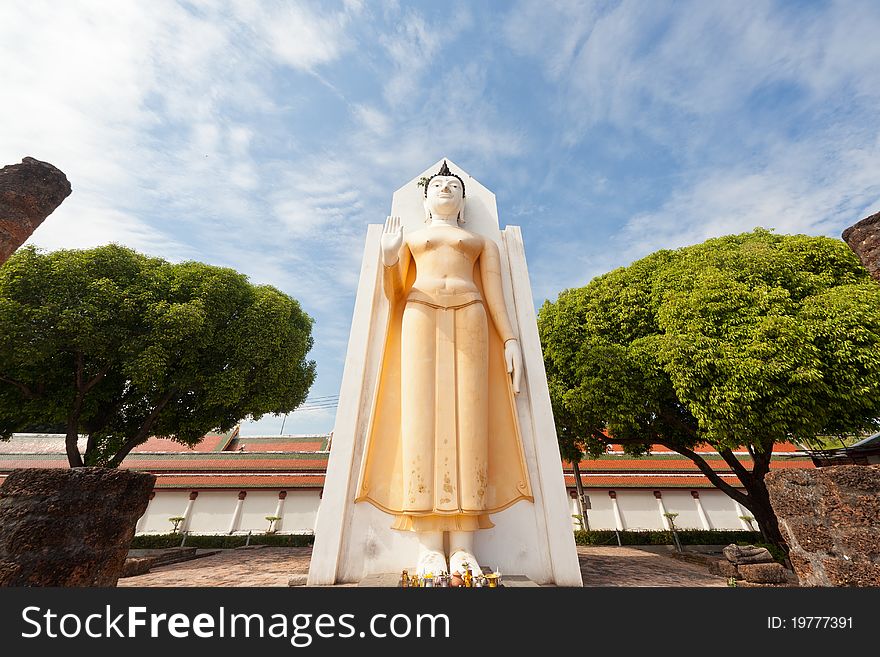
x: 810, y: 623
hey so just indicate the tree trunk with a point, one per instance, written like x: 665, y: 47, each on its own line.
x: 580, y: 493
x: 759, y: 505
x: 756, y: 498
x: 70, y: 444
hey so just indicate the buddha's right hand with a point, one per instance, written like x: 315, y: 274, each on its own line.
x: 392, y: 240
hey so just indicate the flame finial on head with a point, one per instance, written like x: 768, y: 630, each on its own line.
x: 444, y: 171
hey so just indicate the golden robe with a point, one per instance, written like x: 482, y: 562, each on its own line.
x: 462, y: 457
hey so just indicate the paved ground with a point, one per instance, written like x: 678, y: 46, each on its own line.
x: 627, y: 566
x: 265, y: 566
x: 600, y: 566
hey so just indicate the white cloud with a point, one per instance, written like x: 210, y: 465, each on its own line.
x: 300, y: 35
x: 372, y: 119
x: 83, y: 225
x: 806, y: 189
x: 554, y: 32
x: 688, y: 81
x: 298, y: 422
x: 136, y: 105
x: 643, y: 65
x: 416, y: 47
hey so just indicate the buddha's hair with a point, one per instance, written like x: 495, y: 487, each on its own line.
x: 444, y: 171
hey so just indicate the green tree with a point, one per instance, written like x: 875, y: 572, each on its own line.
x: 120, y: 346
x: 743, y: 341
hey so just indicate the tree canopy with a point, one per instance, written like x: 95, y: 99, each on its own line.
x: 742, y: 341
x: 120, y: 347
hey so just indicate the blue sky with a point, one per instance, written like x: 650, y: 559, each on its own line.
x: 266, y: 136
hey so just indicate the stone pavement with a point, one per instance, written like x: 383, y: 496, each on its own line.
x: 270, y: 566
x: 257, y: 566
x: 629, y: 566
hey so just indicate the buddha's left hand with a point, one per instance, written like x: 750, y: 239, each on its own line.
x: 513, y: 358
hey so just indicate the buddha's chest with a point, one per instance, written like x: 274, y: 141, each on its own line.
x: 445, y: 243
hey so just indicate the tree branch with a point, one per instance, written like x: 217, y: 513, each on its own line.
x: 671, y: 418
x: 27, y: 392
x: 707, y: 470
x: 143, y: 432
x: 762, y: 460
x: 74, y: 458
x: 99, y: 421
x: 96, y: 379
x: 738, y: 468
x: 79, y: 370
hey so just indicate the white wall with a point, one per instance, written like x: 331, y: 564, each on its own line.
x: 638, y: 508
x: 600, y: 515
x: 681, y: 502
x: 721, y: 510
x: 166, y: 504
x: 212, y: 511
x: 257, y: 505
x: 300, y: 511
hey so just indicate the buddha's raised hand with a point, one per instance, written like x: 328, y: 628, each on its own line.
x: 392, y: 239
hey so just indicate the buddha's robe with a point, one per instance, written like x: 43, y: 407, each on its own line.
x: 443, y: 446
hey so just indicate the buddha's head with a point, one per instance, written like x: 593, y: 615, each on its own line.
x: 444, y: 195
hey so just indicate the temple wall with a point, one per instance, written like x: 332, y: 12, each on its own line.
x: 212, y: 511
x: 639, y: 509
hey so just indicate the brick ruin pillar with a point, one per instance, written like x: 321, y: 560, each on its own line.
x: 830, y: 518
x: 29, y: 192
x: 864, y: 239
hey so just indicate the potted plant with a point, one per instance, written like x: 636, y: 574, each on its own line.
x: 671, y: 518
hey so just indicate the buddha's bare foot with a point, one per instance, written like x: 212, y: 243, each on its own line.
x: 460, y: 560
x: 431, y: 561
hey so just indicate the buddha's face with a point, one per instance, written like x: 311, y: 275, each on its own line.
x: 444, y: 195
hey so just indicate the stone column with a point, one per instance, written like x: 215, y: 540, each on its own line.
x: 618, y: 519
x: 660, y: 507
x: 140, y: 523
x: 830, y: 518
x: 186, y: 514
x: 69, y: 527
x: 29, y: 192
x: 236, y: 515
x: 704, y: 519
x: 279, y: 509
x: 864, y: 239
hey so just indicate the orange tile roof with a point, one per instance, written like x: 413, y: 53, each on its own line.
x: 301, y: 461
x: 648, y: 463
x: 208, y: 444
x: 239, y: 481
x: 707, y: 449
x: 651, y: 481
x: 229, y: 462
